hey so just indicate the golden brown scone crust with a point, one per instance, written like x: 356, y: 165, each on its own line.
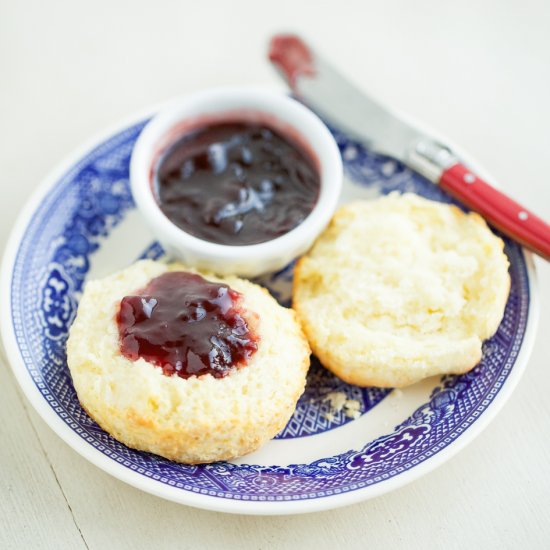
x: 194, y: 420
x: 400, y: 289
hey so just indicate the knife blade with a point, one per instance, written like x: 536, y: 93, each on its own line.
x: 341, y: 103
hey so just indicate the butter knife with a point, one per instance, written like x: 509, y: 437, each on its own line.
x: 340, y: 102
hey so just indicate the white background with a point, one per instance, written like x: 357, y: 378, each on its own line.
x: 476, y: 71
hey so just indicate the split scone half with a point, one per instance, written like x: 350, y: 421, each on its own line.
x: 196, y: 419
x: 399, y: 289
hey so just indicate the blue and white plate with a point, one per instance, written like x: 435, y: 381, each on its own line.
x: 82, y: 224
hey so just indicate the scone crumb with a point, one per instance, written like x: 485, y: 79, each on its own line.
x: 339, y: 402
x: 352, y: 408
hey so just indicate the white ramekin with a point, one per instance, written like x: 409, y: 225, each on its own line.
x: 232, y: 104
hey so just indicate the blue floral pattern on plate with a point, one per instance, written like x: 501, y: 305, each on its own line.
x: 50, y: 268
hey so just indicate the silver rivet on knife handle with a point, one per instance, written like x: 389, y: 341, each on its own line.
x: 430, y: 158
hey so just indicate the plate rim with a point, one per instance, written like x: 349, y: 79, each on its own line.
x: 208, y: 502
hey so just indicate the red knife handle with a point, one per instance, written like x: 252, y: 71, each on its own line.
x: 499, y: 210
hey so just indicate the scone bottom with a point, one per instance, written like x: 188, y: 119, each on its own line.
x: 400, y: 289
x: 187, y: 326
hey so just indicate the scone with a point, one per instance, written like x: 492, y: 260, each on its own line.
x: 186, y: 406
x: 399, y: 289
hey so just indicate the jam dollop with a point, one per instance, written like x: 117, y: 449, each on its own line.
x: 186, y: 325
x: 236, y: 183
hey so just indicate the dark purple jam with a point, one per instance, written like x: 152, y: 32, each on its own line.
x: 186, y: 325
x: 236, y: 184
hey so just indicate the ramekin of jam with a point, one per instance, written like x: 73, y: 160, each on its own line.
x: 236, y: 180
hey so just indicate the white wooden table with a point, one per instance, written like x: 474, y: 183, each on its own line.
x: 478, y: 71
